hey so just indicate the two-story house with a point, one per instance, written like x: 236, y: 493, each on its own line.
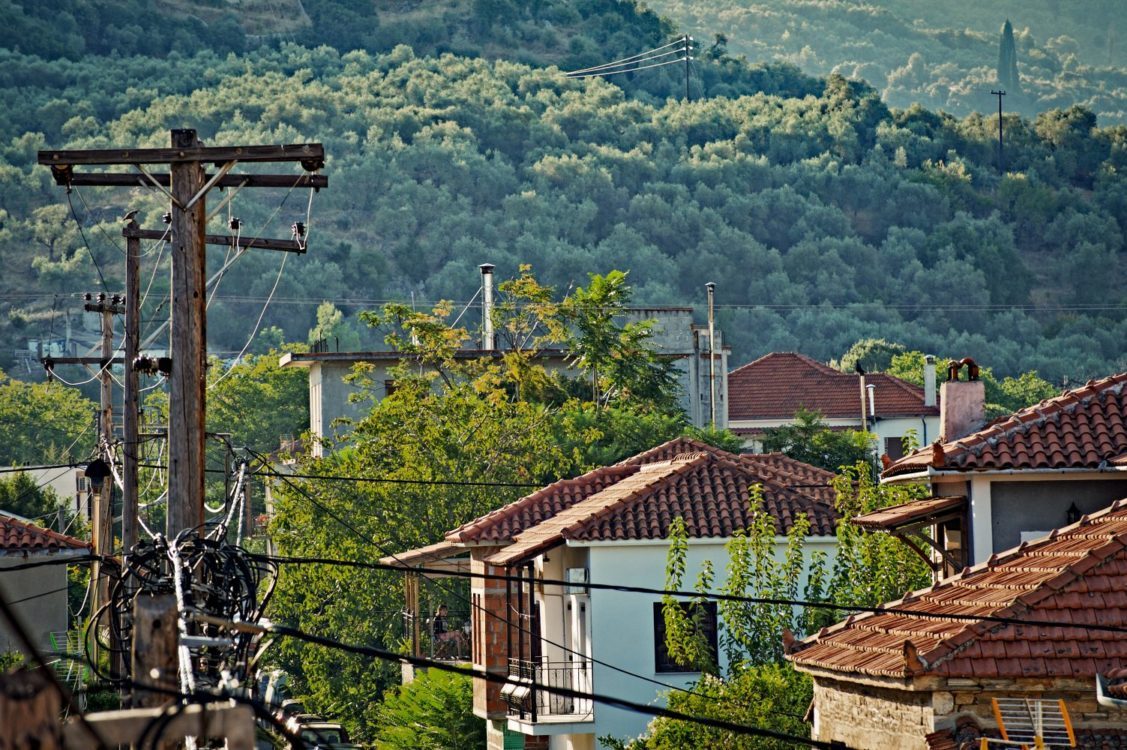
x: 997, y: 485
x: 771, y: 390
x: 610, y: 525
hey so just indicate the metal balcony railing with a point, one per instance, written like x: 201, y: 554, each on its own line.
x: 528, y: 690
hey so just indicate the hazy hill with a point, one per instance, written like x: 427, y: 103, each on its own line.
x: 941, y: 55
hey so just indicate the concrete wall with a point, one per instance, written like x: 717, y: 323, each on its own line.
x: 622, y: 624
x: 43, y: 609
x: 1041, y: 506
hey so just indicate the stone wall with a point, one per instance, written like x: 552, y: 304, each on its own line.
x: 871, y: 718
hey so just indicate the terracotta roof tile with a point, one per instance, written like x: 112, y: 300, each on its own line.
x: 1085, y: 428
x: 912, y: 512
x: 17, y: 536
x: 777, y: 385
x: 1068, y: 577
x: 708, y: 489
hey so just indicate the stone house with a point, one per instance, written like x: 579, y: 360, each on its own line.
x: 771, y: 390
x: 607, y: 526
x: 923, y: 676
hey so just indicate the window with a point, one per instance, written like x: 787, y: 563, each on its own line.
x: 706, y: 612
x: 894, y: 447
x: 389, y: 387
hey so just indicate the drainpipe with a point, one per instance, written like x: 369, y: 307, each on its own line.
x: 487, y: 342
x: 711, y: 287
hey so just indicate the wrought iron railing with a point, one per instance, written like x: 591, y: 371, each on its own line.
x: 528, y: 690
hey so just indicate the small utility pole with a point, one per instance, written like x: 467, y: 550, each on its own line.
x: 107, y: 307
x: 1001, y: 160
x: 711, y: 287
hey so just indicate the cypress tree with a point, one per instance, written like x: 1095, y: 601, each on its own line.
x: 1007, y: 60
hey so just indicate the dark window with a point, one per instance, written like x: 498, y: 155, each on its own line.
x: 389, y: 387
x: 894, y: 447
x: 705, y: 616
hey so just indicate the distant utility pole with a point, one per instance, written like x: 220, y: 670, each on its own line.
x: 186, y: 185
x: 1001, y: 160
x: 130, y: 408
x: 688, y: 40
x: 711, y: 287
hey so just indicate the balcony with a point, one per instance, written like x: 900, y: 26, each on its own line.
x: 536, y: 710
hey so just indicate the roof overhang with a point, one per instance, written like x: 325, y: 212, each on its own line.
x: 443, y: 556
x: 931, y: 473
x: 913, y: 514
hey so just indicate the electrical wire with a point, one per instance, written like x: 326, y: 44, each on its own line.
x: 487, y: 676
x: 90, y: 250
x: 630, y: 57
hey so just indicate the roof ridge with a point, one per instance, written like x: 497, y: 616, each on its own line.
x: 820, y: 366
x: 511, y: 509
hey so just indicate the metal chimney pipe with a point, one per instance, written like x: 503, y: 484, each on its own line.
x: 929, y: 380
x: 711, y: 287
x: 872, y: 389
x: 487, y: 341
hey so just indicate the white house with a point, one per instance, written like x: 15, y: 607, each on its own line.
x: 608, y: 526
x: 771, y: 390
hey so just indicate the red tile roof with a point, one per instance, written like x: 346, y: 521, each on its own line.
x: 1080, y: 429
x: 501, y: 525
x: 777, y: 385
x: 19, y: 537
x: 1072, y: 577
x: 709, y: 491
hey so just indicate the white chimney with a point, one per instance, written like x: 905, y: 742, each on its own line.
x: 487, y: 342
x: 929, y: 380
x: 872, y: 389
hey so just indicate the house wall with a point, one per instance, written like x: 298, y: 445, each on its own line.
x: 1042, y: 506
x: 43, y: 609
x: 925, y: 428
x: 330, y: 394
x: 622, y: 630
x: 865, y: 717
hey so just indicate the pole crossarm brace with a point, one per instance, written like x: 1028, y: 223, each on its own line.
x: 63, y: 177
x: 311, y: 155
x: 49, y: 362
x: 257, y: 243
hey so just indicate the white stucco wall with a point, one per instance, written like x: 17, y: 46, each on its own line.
x: 38, y: 596
x: 622, y: 624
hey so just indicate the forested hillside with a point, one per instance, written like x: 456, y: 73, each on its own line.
x: 823, y: 216
x: 943, y: 55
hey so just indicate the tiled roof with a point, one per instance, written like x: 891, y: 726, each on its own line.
x: 1072, y: 577
x: 501, y: 525
x: 18, y: 537
x: 777, y: 385
x: 912, y: 512
x: 709, y: 491
x: 1081, y: 429
x: 423, y: 555
x: 794, y: 474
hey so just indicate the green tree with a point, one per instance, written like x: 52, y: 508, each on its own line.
x: 1008, y: 77
x: 43, y: 423
x: 433, y: 712
x: 333, y: 330
x: 808, y: 439
x: 22, y: 496
x: 874, y: 355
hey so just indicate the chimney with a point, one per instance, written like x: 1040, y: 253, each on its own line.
x: 487, y: 342
x: 962, y: 402
x: 929, y: 380
x: 872, y: 389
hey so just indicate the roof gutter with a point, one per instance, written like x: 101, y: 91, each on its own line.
x: 931, y: 472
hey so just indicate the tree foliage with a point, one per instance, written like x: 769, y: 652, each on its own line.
x: 21, y: 495
x: 433, y: 712
x: 43, y: 423
x: 809, y: 440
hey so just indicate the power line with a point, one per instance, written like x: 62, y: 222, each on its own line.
x: 627, y: 589
x: 498, y: 679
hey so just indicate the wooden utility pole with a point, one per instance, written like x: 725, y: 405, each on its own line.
x: 688, y: 40
x: 189, y: 185
x: 1001, y: 157
x: 130, y: 428
x: 29, y: 712
x: 154, y: 657
x: 107, y: 307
